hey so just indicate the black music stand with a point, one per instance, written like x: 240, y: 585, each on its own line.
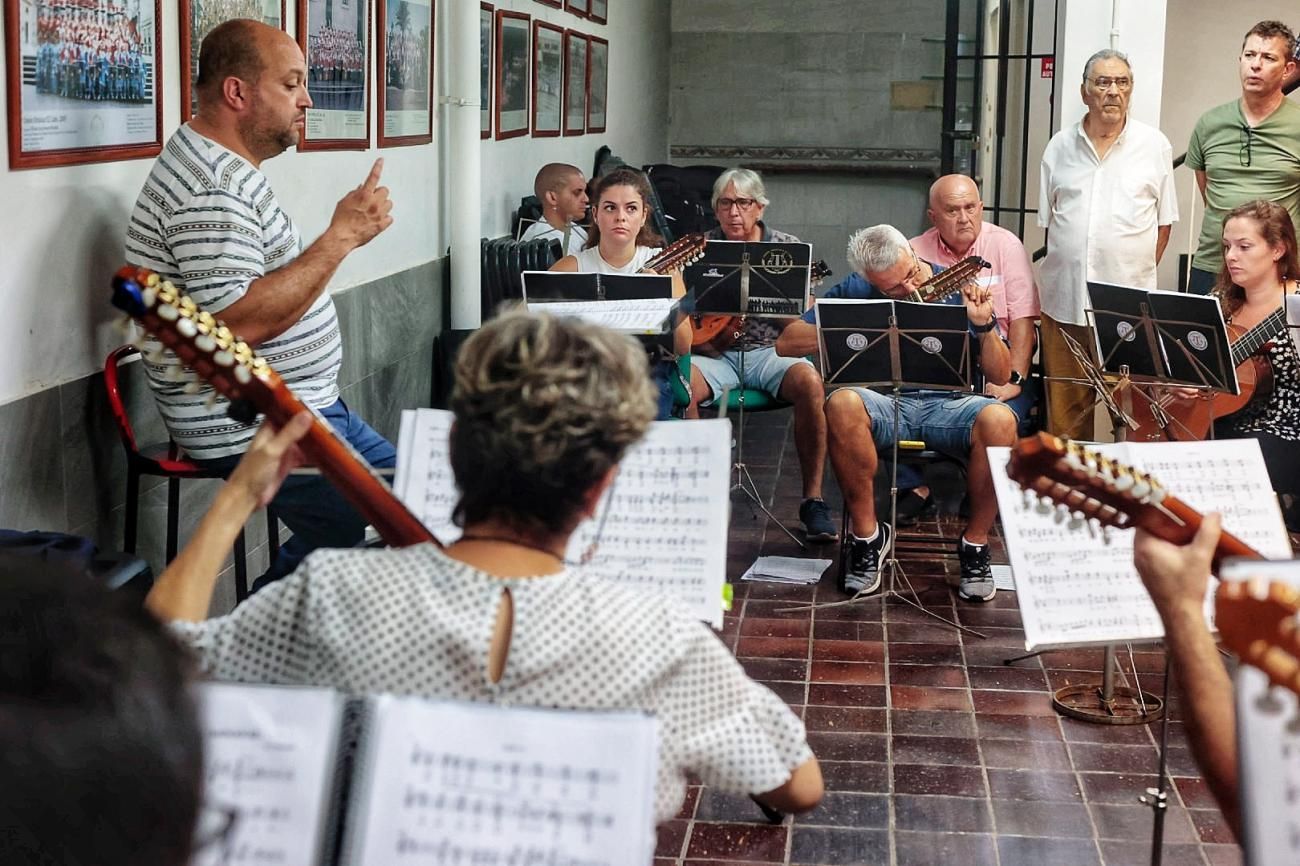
x: 895, y: 344
x: 744, y: 278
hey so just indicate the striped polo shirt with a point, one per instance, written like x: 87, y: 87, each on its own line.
x: 209, y: 222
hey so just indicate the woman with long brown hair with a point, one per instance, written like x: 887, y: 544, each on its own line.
x: 1260, y: 266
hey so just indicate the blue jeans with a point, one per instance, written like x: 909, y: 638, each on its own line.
x: 310, y: 505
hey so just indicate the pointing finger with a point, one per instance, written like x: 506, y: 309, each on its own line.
x: 372, y: 179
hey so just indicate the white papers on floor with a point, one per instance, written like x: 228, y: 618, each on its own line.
x: 1002, y: 578
x: 786, y: 569
x: 1268, y: 738
x: 1076, y: 582
x: 662, y: 526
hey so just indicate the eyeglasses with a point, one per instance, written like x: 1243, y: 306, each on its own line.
x: 1243, y: 152
x: 214, y: 833
x: 1104, y: 82
x: 913, y: 278
x: 745, y: 204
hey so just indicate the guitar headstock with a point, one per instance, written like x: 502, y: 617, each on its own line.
x: 818, y: 272
x: 1257, y: 621
x: 1083, y: 481
x: 199, y: 339
x: 950, y: 281
x: 677, y: 255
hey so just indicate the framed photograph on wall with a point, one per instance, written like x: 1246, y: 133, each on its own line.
x: 578, y: 7
x: 485, y: 58
x: 83, y: 86
x: 198, y: 18
x: 548, y: 79
x: 575, y: 83
x: 597, y: 82
x: 333, y: 35
x: 513, y: 79
x: 558, y: 4
x: 404, y: 29
x: 599, y: 11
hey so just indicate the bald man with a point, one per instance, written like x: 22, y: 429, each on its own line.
x: 208, y: 220
x: 562, y: 190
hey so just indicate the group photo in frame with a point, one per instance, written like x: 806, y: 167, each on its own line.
x: 198, y: 18
x: 577, y: 7
x: 554, y: 4
x: 84, y: 81
x: 404, y: 30
x: 486, y: 27
x: 513, y: 78
x: 333, y: 35
x: 548, y: 79
x: 575, y: 83
x: 599, y: 11
x: 597, y: 82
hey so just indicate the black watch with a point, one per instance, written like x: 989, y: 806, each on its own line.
x: 1015, y: 378
x: 985, y: 328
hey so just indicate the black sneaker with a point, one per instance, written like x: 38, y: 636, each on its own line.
x: 863, y: 572
x: 816, y: 517
x: 976, y: 574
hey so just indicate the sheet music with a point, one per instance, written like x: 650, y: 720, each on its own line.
x: 1293, y: 319
x: 637, y: 316
x: 483, y: 785
x: 1268, y: 738
x: 1076, y: 581
x: 269, y: 754
x: 666, y: 527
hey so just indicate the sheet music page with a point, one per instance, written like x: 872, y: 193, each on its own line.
x: 492, y: 786
x: 270, y: 755
x: 637, y: 316
x: 1268, y: 739
x: 1076, y: 581
x: 1293, y: 318
x: 666, y: 527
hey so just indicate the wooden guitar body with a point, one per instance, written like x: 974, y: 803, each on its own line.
x: 716, y: 332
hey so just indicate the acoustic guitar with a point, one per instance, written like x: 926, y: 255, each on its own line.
x: 719, y: 333
x: 1189, y: 418
x: 677, y: 255
x: 231, y: 366
x: 1257, y: 621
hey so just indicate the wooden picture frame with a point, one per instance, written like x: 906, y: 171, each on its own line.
x: 598, y: 11
x: 513, y: 73
x: 597, y: 83
x: 487, y: 61
x: 405, y: 82
x: 192, y: 32
x: 338, y: 75
x: 577, y: 7
x: 548, y: 79
x: 575, y: 82
x: 555, y: 4
x: 59, y: 115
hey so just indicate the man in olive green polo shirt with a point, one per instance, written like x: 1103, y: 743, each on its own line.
x: 1249, y: 148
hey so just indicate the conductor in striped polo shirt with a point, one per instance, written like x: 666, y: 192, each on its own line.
x: 208, y: 220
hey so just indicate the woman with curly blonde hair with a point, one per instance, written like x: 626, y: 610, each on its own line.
x: 545, y: 409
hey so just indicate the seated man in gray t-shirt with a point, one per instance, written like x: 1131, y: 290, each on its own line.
x: 562, y: 190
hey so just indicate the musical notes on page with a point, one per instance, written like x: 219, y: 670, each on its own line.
x: 634, y: 316
x: 662, y: 526
x: 483, y: 785
x: 269, y: 755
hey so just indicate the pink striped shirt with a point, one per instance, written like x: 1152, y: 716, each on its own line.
x: 1011, y: 278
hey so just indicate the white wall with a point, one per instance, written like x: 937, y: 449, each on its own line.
x: 637, y: 123
x: 1087, y: 26
x: 63, y: 231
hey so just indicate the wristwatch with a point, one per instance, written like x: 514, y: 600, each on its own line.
x: 1015, y: 378
x: 986, y: 327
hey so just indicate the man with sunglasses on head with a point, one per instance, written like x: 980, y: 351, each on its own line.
x: 1107, y: 200
x: 1249, y: 148
x: 739, y: 200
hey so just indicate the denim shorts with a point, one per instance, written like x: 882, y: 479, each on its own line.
x: 764, y: 370
x: 941, y: 419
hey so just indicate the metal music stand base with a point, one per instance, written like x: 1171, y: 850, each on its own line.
x: 1125, y: 706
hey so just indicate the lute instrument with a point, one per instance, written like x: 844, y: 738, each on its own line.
x: 949, y: 281
x: 237, y: 372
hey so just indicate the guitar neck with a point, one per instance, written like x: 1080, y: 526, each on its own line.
x: 1257, y: 337
x: 1177, y: 522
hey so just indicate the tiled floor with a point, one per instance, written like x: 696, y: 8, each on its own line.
x: 933, y: 750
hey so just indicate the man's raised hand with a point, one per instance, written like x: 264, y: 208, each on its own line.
x: 364, y: 212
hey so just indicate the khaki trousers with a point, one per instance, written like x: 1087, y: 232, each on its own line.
x: 1070, y: 407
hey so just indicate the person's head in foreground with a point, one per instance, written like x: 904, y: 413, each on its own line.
x: 545, y: 408
x: 101, y: 754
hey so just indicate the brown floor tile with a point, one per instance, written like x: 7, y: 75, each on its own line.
x: 857, y: 673
x: 832, y: 846
x: 1010, y: 639
x: 953, y: 781
x: 1059, y: 820
x: 720, y: 806
x: 837, y: 695
x: 838, y: 809
x: 1012, y: 703
x: 1034, y: 785
x: 867, y: 610
x: 1025, y: 754
x: 670, y: 838
x: 687, y: 811
x: 924, y: 654
x: 925, y: 698
x: 772, y: 647
x: 848, y: 747
x: 1006, y: 678
x: 772, y: 670
x: 759, y: 842
x: 1139, y: 854
x: 847, y: 651
x: 927, y: 675
x: 1034, y: 851
x: 908, y: 632
x: 1076, y: 659
x: 1195, y: 793
x: 835, y: 630
x: 994, y: 656
x: 871, y: 720
x: 863, y: 776
x: 1018, y: 727
x: 1134, y: 822
x: 792, y: 693
x: 1116, y: 788
x: 1077, y: 731
x: 1112, y: 758
x: 777, y: 591
x: 765, y: 627
x: 928, y: 849
x: 979, y: 616
x: 765, y: 609
x: 1223, y: 855
x: 932, y: 723
x: 1210, y: 826
x: 909, y: 749
x: 942, y: 814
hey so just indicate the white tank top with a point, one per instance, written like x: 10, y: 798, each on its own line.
x: 592, y: 262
